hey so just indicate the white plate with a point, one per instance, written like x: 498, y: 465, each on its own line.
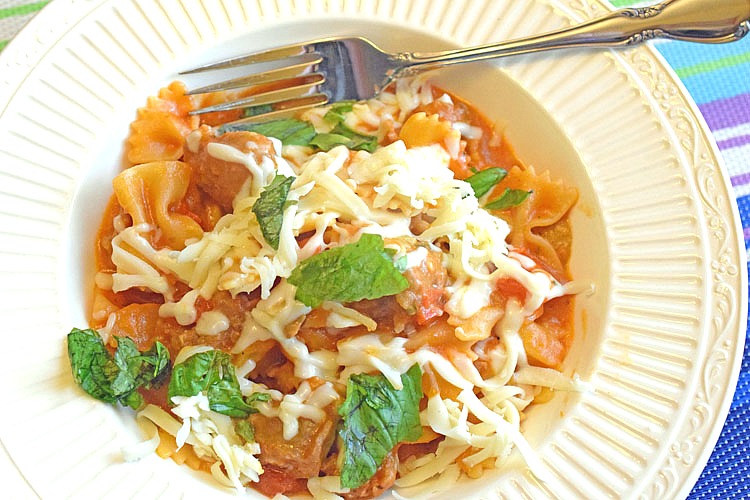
x: 656, y: 230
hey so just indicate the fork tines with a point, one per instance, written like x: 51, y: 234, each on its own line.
x: 279, y: 90
x: 256, y: 57
x: 275, y: 75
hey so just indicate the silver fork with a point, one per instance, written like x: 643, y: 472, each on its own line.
x: 353, y: 68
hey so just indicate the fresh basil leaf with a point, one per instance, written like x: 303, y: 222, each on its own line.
x: 484, y: 180
x: 343, y: 135
x: 245, y: 430
x: 375, y: 418
x: 256, y: 110
x: 257, y: 397
x: 338, y: 110
x: 93, y: 366
x: 295, y: 132
x: 269, y: 208
x: 290, y: 131
x: 144, y: 367
x: 328, y: 141
x: 510, y: 198
x: 401, y: 263
x: 357, y: 141
x: 114, y: 379
x: 212, y: 373
x: 360, y: 270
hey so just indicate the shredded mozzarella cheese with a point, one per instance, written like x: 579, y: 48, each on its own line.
x: 212, y: 323
x: 305, y: 403
x: 212, y: 437
x: 276, y: 314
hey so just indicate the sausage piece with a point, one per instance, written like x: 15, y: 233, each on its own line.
x: 214, y: 173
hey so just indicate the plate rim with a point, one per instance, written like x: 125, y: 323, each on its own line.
x: 715, y: 431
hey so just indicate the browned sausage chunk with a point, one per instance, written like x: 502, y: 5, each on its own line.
x: 222, y: 179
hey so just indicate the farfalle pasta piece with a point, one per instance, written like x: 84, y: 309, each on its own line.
x: 546, y: 339
x: 159, y: 130
x: 479, y: 326
x: 184, y: 455
x: 421, y: 129
x: 151, y: 193
x: 550, y: 200
x: 547, y: 205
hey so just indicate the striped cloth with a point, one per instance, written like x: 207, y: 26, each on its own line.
x: 718, y: 78
x: 14, y: 14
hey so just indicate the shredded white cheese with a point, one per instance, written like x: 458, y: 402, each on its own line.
x: 212, y: 436
x: 276, y: 314
x: 212, y: 323
x: 305, y: 403
x: 345, y: 317
x: 183, y: 311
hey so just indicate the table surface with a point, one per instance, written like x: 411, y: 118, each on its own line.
x: 718, y: 78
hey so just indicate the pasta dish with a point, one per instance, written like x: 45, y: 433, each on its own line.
x: 365, y: 296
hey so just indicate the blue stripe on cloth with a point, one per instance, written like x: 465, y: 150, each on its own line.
x: 725, y: 476
x: 705, y: 69
x: 683, y: 54
x: 729, y: 474
x: 719, y: 84
x: 743, y: 204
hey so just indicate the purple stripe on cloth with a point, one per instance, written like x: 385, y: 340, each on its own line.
x: 734, y: 142
x: 726, y: 113
x: 738, y: 180
x: 746, y: 232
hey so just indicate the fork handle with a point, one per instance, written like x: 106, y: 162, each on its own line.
x: 706, y: 21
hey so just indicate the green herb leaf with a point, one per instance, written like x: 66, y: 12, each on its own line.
x: 290, y: 131
x: 258, y: 109
x: 269, y: 208
x: 257, y: 397
x: 360, y: 270
x: 294, y: 132
x: 212, y: 373
x: 245, y: 430
x: 144, y: 367
x: 337, y: 112
x: 509, y: 198
x: 401, y: 263
x: 484, y: 180
x: 375, y: 418
x: 343, y: 135
x: 328, y: 141
x: 114, y: 379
